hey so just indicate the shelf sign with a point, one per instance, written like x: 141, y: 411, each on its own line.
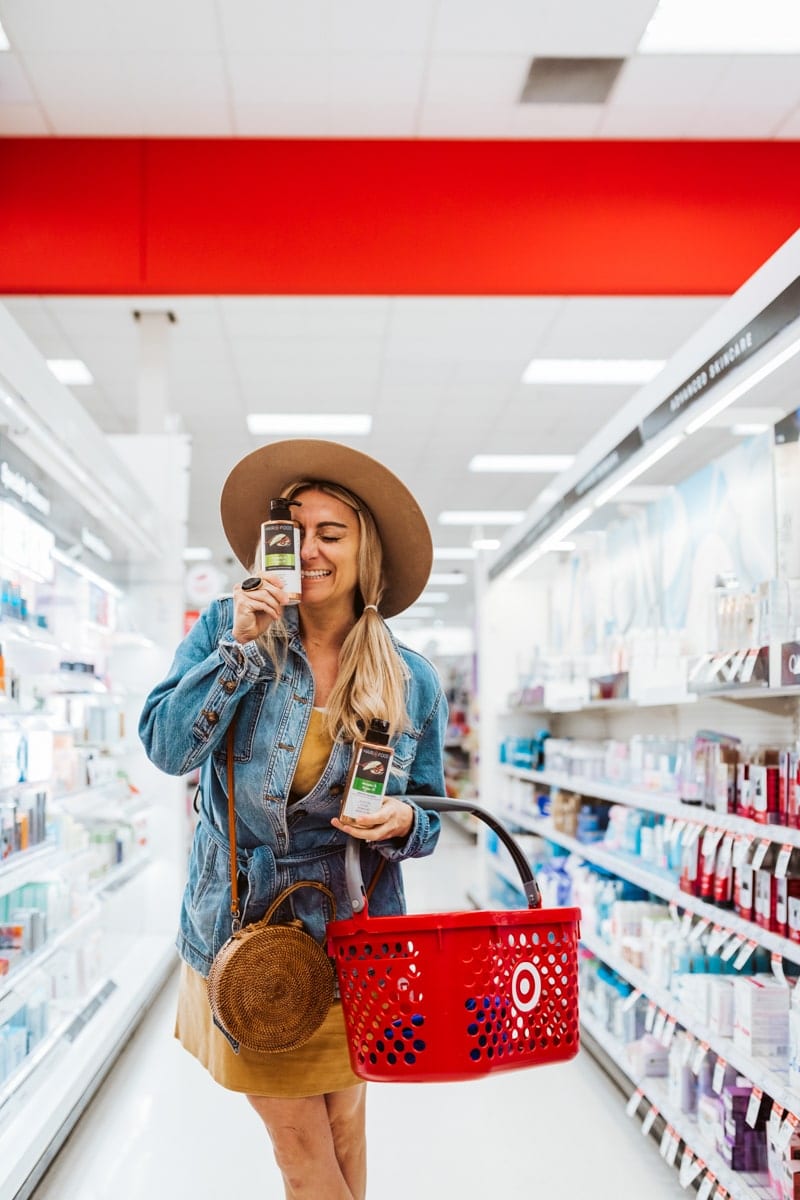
x: 649, y: 1119
x: 633, y: 1103
x: 97, y: 546
x: 27, y: 491
x: 753, y: 1107
x: 707, y: 1186
x: 690, y: 1168
x: 789, y: 1128
x: 719, y: 1075
x: 790, y: 663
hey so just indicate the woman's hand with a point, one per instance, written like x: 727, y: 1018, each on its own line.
x: 393, y: 819
x: 255, y: 608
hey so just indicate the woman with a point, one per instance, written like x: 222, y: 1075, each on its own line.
x: 303, y: 682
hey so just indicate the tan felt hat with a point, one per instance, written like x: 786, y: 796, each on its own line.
x: 404, y: 532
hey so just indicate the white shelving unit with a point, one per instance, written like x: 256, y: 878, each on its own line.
x: 91, y: 535
x: 634, y: 598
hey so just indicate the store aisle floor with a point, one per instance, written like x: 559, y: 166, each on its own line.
x: 159, y: 1129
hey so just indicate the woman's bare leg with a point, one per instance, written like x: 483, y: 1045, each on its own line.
x: 347, y: 1115
x: 307, y: 1136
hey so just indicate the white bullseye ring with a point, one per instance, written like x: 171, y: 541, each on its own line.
x: 526, y: 986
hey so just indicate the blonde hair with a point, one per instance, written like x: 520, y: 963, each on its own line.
x: 372, y: 677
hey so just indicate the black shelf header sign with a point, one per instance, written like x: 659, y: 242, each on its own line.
x: 779, y: 313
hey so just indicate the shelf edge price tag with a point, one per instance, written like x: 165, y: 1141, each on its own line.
x: 721, y: 1193
x: 790, y: 1127
x: 659, y: 1024
x: 719, y: 1075
x: 699, y: 1057
x: 707, y: 1186
x: 760, y: 854
x: 699, y: 929
x: 744, y: 953
x: 666, y: 1138
x: 687, y: 1162
x: 782, y: 865
x: 716, y: 938
x: 672, y: 1152
x: 686, y: 1050
x: 633, y: 1103
x: 649, y: 1119
x: 650, y: 1016
x: 669, y: 1032
x: 736, y: 943
x: 777, y: 966
x: 775, y: 1120
x: 741, y: 846
x: 753, y: 1107
x: 686, y: 923
x: 630, y: 1000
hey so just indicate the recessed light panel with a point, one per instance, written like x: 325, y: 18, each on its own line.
x: 71, y: 371
x: 723, y: 27
x: 591, y: 370
x: 542, y: 464
x: 313, y: 424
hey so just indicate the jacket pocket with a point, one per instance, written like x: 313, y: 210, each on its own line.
x: 405, y: 751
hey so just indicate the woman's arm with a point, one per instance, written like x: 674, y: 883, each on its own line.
x: 186, y: 715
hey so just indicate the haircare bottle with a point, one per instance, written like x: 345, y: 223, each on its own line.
x: 369, y: 774
x: 280, y: 547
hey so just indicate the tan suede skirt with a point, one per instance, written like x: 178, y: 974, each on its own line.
x: 322, y: 1065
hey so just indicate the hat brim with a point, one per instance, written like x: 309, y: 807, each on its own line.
x: 403, y: 530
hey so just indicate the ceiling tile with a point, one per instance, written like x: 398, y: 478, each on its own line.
x: 360, y: 79
x: 284, y: 80
x: 364, y: 25
x: 470, y: 80
x: 302, y: 27
x: 22, y: 120
x: 550, y: 27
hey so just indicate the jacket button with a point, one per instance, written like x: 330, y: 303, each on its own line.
x: 336, y: 789
x: 229, y: 685
x: 211, y: 716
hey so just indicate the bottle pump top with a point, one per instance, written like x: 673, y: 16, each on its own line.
x: 280, y: 509
x: 379, y: 732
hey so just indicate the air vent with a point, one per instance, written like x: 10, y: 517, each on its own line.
x: 570, y: 80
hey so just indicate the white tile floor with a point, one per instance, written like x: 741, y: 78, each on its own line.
x: 160, y: 1129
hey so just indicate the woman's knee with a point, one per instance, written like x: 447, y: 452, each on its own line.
x: 296, y: 1129
x: 347, y: 1113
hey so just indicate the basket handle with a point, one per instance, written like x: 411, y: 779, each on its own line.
x: 352, y: 859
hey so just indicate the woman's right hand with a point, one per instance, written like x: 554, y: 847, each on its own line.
x: 254, y: 610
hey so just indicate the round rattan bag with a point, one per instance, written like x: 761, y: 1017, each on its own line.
x: 270, y: 986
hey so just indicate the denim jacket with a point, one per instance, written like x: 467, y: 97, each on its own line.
x: 183, y: 726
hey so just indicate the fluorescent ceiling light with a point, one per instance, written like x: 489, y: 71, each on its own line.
x: 447, y: 578
x: 71, y: 371
x: 543, y: 464
x: 556, y: 537
x: 547, y: 495
x: 4, y: 42
x: 419, y: 610
x: 628, y: 476
x: 486, y: 543
x: 562, y: 547
x: 455, y: 553
x: 66, y: 560
x: 644, y: 493
x: 322, y: 424
x: 748, y: 429
x: 740, y: 389
x: 434, y: 597
x: 479, y: 517
x: 592, y: 370
x: 197, y: 554
x: 723, y: 27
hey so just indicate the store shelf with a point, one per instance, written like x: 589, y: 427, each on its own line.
x: 659, y: 884
x: 41, y: 1118
x: 658, y: 803
x: 656, y: 700
x: 34, y: 962
x: 773, y: 1082
x: 27, y: 865
x: 740, y: 1186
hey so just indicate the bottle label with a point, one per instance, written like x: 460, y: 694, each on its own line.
x: 368, y: 783
x: 280, y: 553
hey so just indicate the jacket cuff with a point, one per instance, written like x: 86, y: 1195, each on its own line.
x: 244, y: 658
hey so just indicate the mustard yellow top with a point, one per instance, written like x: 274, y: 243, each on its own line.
x: 313, y: 757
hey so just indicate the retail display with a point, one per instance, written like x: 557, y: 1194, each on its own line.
x: 647, y: 743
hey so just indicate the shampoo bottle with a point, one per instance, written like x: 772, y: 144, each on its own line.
x: 280, y: 547
x: 369, y: 774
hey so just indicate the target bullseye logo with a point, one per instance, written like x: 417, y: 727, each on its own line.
x: 526, y: 986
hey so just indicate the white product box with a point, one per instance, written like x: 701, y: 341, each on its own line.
x: 761, y: 1017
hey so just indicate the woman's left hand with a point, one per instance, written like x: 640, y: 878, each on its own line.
x: 393, y: 819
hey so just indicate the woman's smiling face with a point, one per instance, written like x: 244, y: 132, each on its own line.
x: 329, y: 540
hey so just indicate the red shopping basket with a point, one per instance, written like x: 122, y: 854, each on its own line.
x: 458, y: 995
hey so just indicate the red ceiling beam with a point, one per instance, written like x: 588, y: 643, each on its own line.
x: 99, y: 216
